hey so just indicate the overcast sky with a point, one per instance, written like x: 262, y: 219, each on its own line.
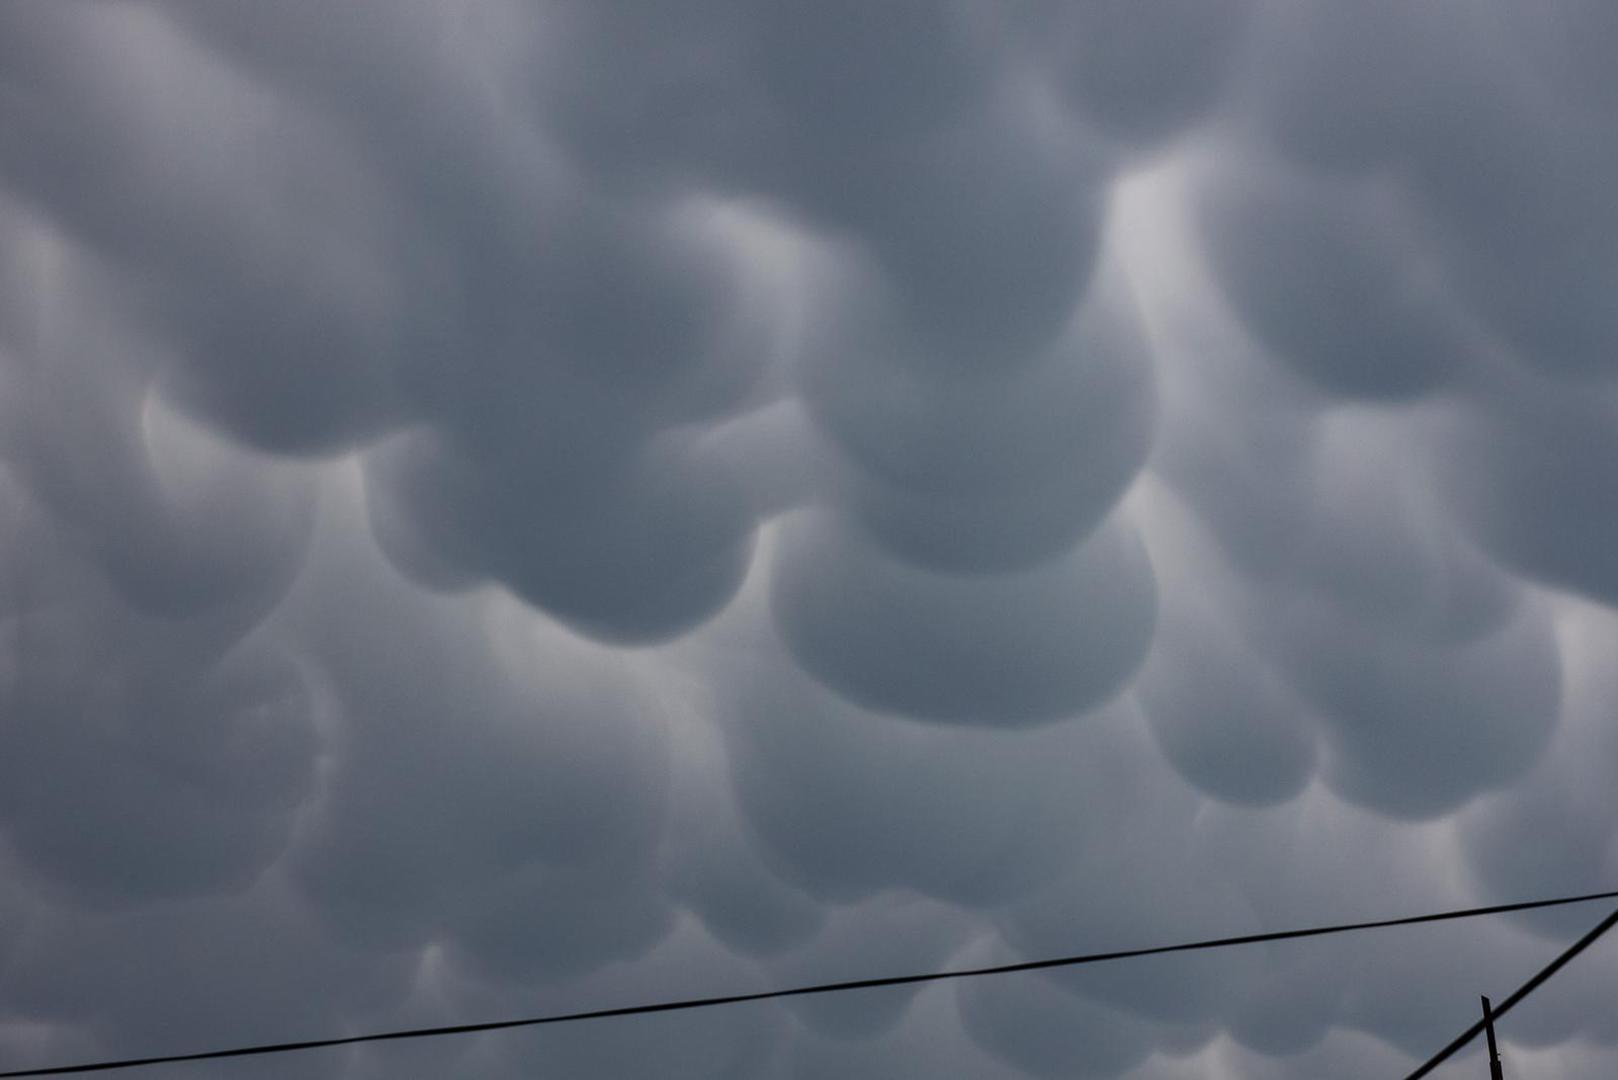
x: 512, y: 506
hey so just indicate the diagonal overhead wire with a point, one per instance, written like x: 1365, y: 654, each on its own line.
x: 836, y: 987
x: 1521, y: 992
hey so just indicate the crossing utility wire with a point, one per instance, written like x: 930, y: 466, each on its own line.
x: 1521, y: 992
x: 856, y: 984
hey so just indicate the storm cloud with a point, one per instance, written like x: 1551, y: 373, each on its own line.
x: 513, y: 506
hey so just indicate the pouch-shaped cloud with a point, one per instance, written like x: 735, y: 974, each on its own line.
x: 671, y: 541
x: 1145, y: 71
x: 981, y: 471
x: 1221, y: 712
x: 1326, y: 276
x: 1007, y: 649
x: 1531, y: 473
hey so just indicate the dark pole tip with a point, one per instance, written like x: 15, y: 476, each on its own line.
x: 1494, y: 1052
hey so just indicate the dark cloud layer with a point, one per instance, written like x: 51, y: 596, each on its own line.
x: 525, y: 505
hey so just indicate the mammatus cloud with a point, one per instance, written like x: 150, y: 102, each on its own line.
x: 527, y: 505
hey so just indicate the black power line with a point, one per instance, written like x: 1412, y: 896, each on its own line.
x: 1521, y: 992
x: 828, y: 988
